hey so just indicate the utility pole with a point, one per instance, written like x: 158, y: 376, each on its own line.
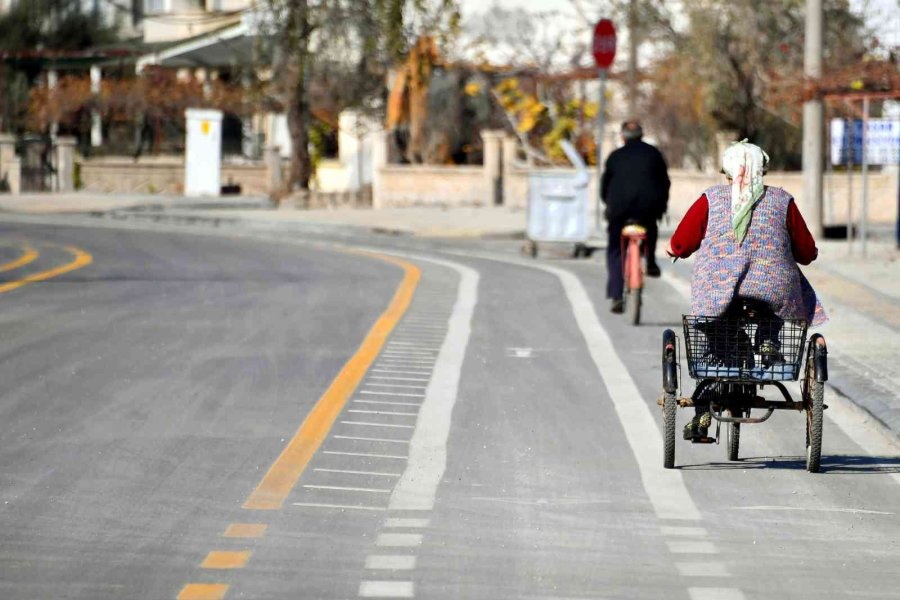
x: 632, y: 58
x: 813, y: 118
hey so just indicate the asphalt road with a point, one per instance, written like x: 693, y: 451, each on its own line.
x: 187, y: 416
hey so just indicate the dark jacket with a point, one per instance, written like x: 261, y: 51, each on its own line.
x: 635, y: 182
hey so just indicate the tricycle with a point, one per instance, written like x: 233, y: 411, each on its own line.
x: 732, y: 357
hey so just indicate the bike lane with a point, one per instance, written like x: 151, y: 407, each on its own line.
x: 542, y: 496
x: 831, y: 535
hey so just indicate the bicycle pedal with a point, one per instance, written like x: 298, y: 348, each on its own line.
x: 703, y: 440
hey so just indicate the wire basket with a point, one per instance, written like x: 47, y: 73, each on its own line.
x: 741, y: 348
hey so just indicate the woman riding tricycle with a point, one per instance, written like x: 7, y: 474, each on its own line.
x: 750, y: 309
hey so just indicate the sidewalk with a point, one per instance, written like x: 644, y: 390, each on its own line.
x: 861, y: 296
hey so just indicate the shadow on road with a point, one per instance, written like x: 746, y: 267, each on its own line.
x: 842, y: 464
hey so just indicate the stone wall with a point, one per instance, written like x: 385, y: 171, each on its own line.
x: 421, y: 185
x: 161, y: 175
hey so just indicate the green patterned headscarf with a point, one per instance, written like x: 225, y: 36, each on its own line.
x: 745, y: 165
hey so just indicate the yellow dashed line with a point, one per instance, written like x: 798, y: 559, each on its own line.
x: 82, y: 259
x: 203, y: 591
x: 220, y: 559
x: 245, y: 530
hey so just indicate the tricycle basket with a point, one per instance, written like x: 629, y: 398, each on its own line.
x: 743, y: 348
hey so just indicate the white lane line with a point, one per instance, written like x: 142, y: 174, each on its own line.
x: 341, y: 507
x: 398, y: 540
x: 401, y: 372
x: 404, y: 345
x: 852, y: 511
x: 364, y: 454
x: 664, y: 487
x: 680, y: 547
x: 388, y: 378
x: 684, y: 531
x: 386, y: 589
x: 411, y: 363
x: 417, y: 488
x: 399, y: 385
x: 702, y: 569
x: 388, y: 425
x: 397, y: 394
x: 350, y: 472
x: 386, y: 403
x: 711, y: 593
x: 341, y: 488
x: 369, y: 439
x: 407, y: 523
x: 382, y: 412
x: 391, y: 562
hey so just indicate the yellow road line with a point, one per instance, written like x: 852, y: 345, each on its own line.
x: 281, y: 477
x: 82, y: 259
x: 28, y: 256
x: 203, y: 591
x: 222, y: 559
x: 245, y: 530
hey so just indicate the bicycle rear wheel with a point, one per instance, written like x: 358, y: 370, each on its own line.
x: 815, y: 407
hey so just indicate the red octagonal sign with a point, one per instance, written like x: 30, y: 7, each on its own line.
x: 604, y: 43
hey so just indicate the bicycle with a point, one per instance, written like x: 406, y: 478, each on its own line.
x: 633, y: 248
x: 732, y: 356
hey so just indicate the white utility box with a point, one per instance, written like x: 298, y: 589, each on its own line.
x: 203, y: 152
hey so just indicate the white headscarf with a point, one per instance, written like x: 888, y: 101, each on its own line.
x: 744, y: 164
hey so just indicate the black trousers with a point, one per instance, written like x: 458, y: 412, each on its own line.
x: 615, y: 284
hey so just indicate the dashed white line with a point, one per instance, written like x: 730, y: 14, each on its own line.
x: 398, y: 540
x: 351, y: 472
x: 711, y: 593
x: 338, y: 506
x: 407, y: 523
x: 388, y: 378
x: 397, y: 394
x: 369, y: 439
x: 683, y: 531
x: 402, y: 372
x: 681, y: 547
x: 383, y: 412
x: 391, y: 562
x: 364, y: 454
x: 341, y: 488
x: 386, y: 403
x: 398, y: 385
x: 386, y: 589
x: 367, y: 424
x: 702, y: 569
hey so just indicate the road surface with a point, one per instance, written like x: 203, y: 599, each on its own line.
x: 203, y: 416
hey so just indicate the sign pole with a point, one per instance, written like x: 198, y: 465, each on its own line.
x: 864, y: 216
x: 601, y: 122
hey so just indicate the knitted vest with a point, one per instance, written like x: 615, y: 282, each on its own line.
x: 762, y: 267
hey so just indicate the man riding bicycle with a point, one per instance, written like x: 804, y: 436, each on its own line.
x: 634, y: 187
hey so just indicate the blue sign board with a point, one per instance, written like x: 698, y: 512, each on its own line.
x: 882, y: 143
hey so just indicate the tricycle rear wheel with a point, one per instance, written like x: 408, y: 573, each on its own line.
x: 669, y: 408
x: 734, y: 436
x: 814, y: 400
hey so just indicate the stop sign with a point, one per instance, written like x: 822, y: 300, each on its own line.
x: 604, y: 43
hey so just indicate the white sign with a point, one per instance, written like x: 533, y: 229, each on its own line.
x: 882, y: 141
x: 203, y: 152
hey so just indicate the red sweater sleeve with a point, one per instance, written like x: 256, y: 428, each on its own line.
x: 690, y: 232
x: 802, y: 243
